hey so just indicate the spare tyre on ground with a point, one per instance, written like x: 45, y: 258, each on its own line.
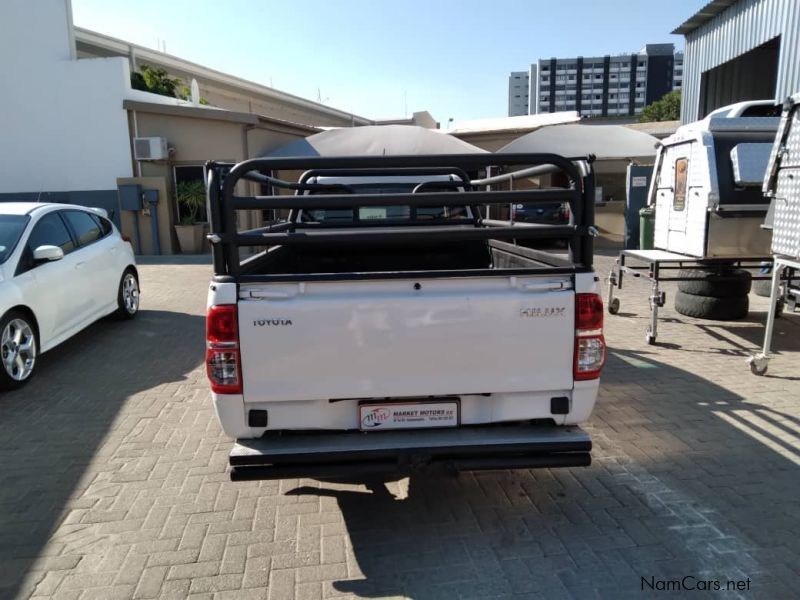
x: 719, y: 283
x: 717, y: 294
x: 711, y: 307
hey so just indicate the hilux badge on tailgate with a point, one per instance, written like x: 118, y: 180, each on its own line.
x: 543, y: 312
x: 271, y: 322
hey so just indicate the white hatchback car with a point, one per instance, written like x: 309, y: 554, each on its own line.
x: 62, y: 267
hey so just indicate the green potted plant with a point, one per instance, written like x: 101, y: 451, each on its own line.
x: 191, y: 198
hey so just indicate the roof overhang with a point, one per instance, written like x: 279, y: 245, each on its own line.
x: 703, y: 16
x: 215, y: 114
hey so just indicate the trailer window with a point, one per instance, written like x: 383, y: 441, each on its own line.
x: 681, y: 174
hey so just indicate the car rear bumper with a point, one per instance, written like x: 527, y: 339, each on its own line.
x: 279, y: 455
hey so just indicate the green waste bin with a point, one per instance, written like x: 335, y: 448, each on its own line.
x: 647, y: 227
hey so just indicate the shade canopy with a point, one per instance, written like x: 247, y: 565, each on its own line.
x: 606, y: 142
x: 375, y: 140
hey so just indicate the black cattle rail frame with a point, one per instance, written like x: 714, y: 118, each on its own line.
x: 222, y: 180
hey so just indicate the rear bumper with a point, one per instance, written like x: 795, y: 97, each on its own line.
x: 279, y: 455
x: 476, y: 409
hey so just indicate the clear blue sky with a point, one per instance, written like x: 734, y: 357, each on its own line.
x: 379, y: 58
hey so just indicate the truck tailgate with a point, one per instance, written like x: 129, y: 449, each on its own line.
x: 404, y: 338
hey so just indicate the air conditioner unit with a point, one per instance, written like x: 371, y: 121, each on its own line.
x: 150, y: 148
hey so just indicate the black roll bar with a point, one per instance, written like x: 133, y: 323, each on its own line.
x: 224, y: 202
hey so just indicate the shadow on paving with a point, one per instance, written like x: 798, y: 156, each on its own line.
x: 736, y: 338
x: 51, y: 429
x: 702, y: 483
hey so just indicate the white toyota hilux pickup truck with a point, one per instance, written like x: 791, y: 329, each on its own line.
x: 387, y: 325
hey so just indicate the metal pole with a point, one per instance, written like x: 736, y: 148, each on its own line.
x: 777, y: 271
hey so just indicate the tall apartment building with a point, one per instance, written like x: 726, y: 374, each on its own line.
x: 600, y: 85
x: 519, y: 91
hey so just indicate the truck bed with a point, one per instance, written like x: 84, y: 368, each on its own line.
x: 351, y: 258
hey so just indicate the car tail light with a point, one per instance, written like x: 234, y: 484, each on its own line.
x: 223, y: 359
x: 126, y: 238
x: 590, y: 345
x: 565, y: 212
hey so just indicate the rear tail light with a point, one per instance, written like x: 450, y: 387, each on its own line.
x: 223, y: 359
x: 126, y: 238
x: 590, y: 345
x: 565, y: 212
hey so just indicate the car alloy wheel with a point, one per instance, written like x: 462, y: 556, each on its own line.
x: 18, y: 349
x: 130, y: 293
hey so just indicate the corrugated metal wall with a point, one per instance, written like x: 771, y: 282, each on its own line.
x: 740, y: 28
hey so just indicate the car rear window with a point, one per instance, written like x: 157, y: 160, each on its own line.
x: 86, y: 228
x: 105, y: 224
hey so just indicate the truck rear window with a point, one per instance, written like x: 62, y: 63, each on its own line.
x: 384, y: 213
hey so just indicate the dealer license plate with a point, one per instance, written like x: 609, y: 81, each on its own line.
x: 409, y: 415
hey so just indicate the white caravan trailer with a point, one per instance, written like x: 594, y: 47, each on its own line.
x: 706, y: 189
x: 707, y: 184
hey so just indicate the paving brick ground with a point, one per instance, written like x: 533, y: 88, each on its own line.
x: 113, y: 481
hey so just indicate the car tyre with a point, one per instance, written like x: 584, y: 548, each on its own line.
x: 723, y: 283
x: 19, y: 348
x: 128, y: 295
x: 709, y: 307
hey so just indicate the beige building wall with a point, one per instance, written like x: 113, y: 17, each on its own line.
x: 230, y: 99
x: 194, y: 136
x: 490, y: 141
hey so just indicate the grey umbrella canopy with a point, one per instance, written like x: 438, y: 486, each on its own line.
x: 375, y: 140
x: 606, y: 142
